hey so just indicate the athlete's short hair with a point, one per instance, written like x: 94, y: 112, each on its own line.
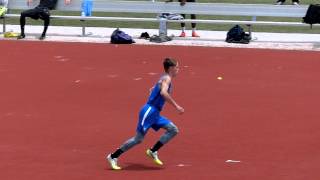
x: 169, y: 62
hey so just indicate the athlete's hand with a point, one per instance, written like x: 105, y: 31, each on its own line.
x: 180, y: 109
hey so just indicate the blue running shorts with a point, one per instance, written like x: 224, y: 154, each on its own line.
x: 149, y: 117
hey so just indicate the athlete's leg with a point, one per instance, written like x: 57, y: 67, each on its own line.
x: 132, y: 142
x: 171, y: 131
x: 113, y: 157
x: 137, y: 139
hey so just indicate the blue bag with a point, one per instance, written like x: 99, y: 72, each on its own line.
x: 237, y: 35
x: 120, y: 37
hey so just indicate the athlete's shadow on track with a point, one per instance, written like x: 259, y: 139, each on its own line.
x: 140, y: 167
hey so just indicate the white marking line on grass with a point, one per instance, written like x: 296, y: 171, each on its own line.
x: 112, y: 75
x: 137, y: 79
x: 183, y: 165
x: 88, y: 68
x: 152, y: 73
x: 9, y: 114
x: 232, y: 161
x: 63, y: 60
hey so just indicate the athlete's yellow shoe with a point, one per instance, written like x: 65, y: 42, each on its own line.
x: 154, y: 156
x: 10, y: 34
x: 113, y: 162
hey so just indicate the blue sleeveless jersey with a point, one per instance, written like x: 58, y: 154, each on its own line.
x: 155, y: 98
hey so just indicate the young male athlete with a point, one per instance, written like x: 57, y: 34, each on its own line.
x: 149, y: 116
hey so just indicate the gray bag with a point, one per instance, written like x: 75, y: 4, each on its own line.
x: 160, y: 39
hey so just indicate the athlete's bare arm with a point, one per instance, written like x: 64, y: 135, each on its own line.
x: 164, y: 93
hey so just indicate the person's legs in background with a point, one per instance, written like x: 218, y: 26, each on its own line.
x: 33, y: 13
x: 193, y: 25
x: 183, y: 27
x: 23, y: 16
x: 45, y: 16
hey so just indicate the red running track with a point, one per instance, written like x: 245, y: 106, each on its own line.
x: 63, y: 106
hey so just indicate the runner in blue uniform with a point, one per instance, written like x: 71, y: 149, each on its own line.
x: 149, y: 117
